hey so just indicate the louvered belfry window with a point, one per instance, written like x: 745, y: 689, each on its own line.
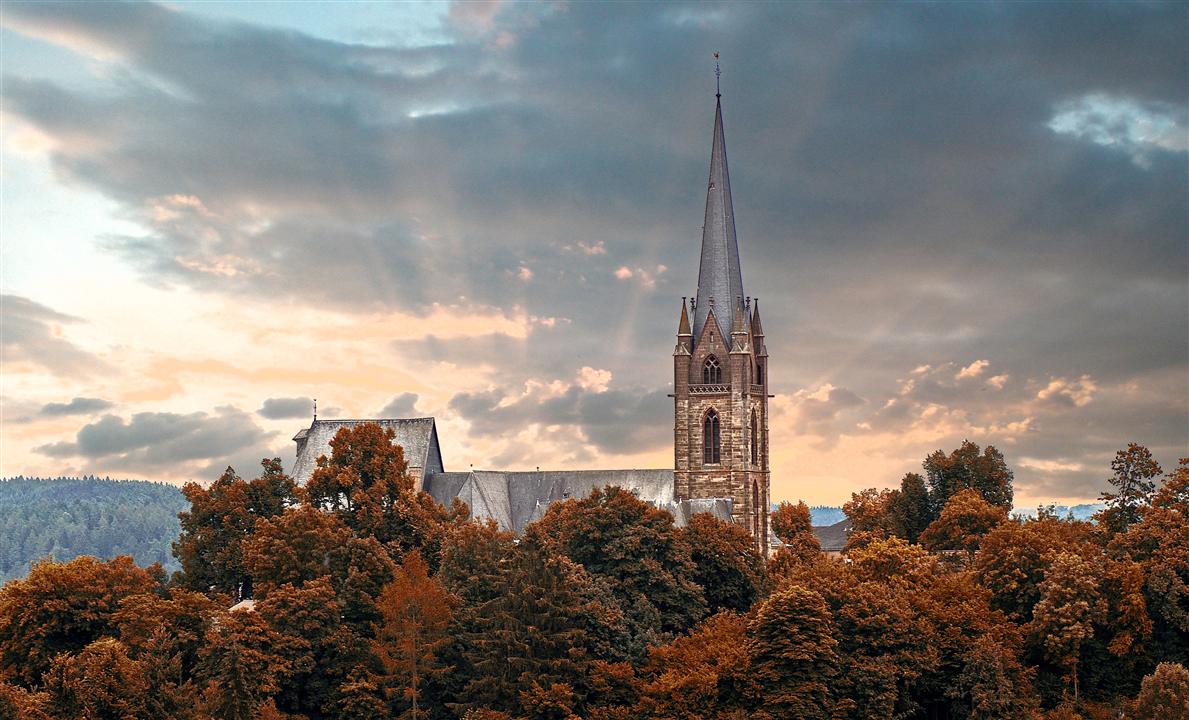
x: 711, y: 371
x: 711, y: 439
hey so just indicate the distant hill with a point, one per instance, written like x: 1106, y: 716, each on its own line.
x: 1079, y: 512
x: 68, y: 517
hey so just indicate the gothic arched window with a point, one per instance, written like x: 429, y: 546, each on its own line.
x: 711, y: 371
x: 759, y: 374
x: 711, y: 439
x: 755, y: 509
x: 755, y: 439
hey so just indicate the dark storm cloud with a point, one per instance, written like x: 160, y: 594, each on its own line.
x: 77, y: 406
x: 614, y: 421
x: 285, y: 408
x: 158, y: 441
x: 903, y: 194
x: 30, y: 332
x: 401, y: 406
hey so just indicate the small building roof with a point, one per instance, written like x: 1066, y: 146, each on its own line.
x: 418, y: 437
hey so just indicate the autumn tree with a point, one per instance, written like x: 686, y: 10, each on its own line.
x: 791, y: 644
x: 1134, y: 479
x: 967, y: 468
x: 963, y: 522
x: 1063, y: 619
x: 305, y: 544
x: 1013, y: 558
x: 793, y: 526
x: 701, y: 676
x: 1164, y: 694
x: 729, y: 569
x: 993, y: 685
x: 635, y: 547
x: 365, y: 483
x: 99, y: 682
x: 17, y: 703
x: 471, y: 559
x: 870, y: 517
x: 62, y: 608
x: 417, y: 612
x: 220, y: 518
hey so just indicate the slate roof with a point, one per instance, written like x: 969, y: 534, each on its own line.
x: 417, y: 436
x: 514, y: 499
x: 719, y: 273
x: 833, y: 537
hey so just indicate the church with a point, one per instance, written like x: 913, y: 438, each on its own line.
x: 720, y: 409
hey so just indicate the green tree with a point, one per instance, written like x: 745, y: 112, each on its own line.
x: 993, y: 685
x: 792, y: 649
x: 1135, y: 483
x: 729, y: 569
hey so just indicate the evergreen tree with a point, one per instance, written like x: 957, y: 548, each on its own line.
x: 547, y: 624
x: 240, y: 666
x: 417, y: 612
x: 909, y: 508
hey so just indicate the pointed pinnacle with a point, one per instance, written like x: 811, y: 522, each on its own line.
x: 683, y: 325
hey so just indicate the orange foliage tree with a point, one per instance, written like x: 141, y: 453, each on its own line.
x: 416, y: 612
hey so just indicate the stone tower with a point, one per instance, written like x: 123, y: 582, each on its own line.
x: 720, y: 371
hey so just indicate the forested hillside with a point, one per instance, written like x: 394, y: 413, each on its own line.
x: 67, y: 517
x: 371, y: 601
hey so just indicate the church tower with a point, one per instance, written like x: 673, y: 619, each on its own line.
x: 720, y: 371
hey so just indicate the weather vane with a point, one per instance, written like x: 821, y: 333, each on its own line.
x: 717, y: 76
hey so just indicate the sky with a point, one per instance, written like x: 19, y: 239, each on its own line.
x: 962, y: 221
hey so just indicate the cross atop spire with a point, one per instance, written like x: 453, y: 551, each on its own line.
x: 718, y: 274
x: 717, y: 77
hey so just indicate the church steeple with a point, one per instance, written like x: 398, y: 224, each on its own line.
x: 720, y: 281
x: 720, y: 373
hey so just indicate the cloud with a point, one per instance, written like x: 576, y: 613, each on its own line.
x: 77, y: 406
x: 156, y: 441
x: 972, y: 370
x: 35, y: 334
x: 1028, y: 206
x: 286, y: 408
x: 1075, y: 393
x: 1134, y: 127
x: 403, y: 405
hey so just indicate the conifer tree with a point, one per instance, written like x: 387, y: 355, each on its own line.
x: 548, y: 623
x: 240, y: 667
x: 417, y: 612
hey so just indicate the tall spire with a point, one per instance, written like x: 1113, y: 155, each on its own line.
x: 719, y: 276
